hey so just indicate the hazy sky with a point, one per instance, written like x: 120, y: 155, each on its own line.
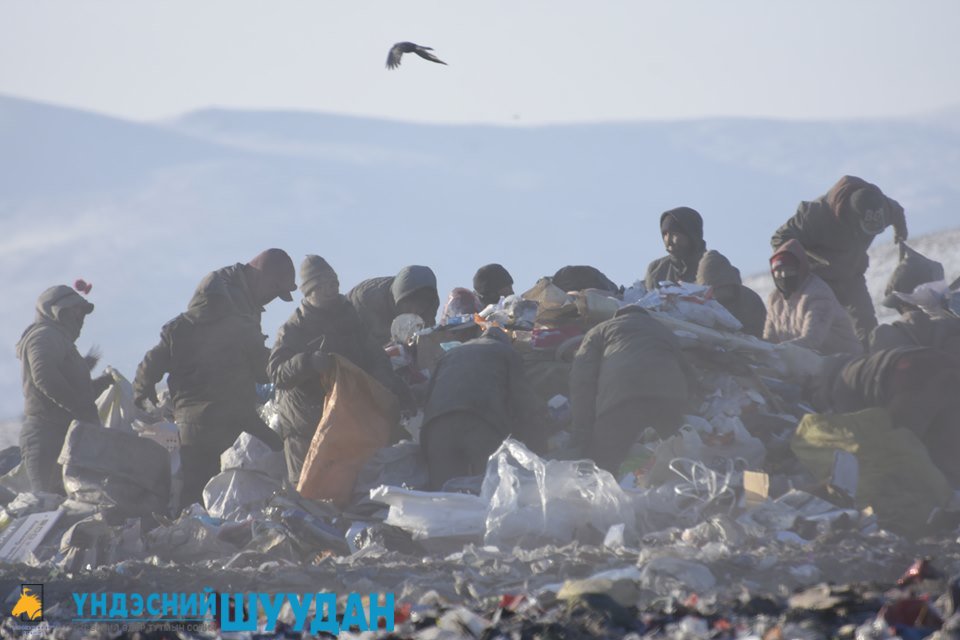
x: 525, y: 61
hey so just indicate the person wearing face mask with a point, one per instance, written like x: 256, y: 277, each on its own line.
x: 325, y: 323
x: 56, y: 384
x: 803, y: 310
x: 836, y: 230
x: 379, y: 300
x: 682, y: 232
x: 743, y: 303
x: 214, y: 356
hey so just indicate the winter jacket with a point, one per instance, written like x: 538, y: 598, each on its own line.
x: 484, y: 377
x: 830, y: 231
x: 376, y: 299
x: 300, y: 392
x: 811, y: 317
x: 673, y: 269
x: 56, y: 378
x: 630, y: 356
x: 214, y: 356
x: 747, y: 306
x: 917, y: 329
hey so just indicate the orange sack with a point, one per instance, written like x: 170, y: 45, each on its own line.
x: 358, y: 417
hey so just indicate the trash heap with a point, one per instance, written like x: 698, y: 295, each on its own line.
x: 732, y: 527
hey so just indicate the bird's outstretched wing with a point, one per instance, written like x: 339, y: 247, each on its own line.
x: 396, y: 52
x: 424, y: 52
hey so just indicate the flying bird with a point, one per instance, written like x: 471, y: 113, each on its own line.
x: 397, y: 51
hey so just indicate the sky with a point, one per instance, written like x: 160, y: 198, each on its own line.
x: 510, y: 62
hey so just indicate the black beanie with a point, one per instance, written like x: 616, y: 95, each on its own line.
x: 490, y: 279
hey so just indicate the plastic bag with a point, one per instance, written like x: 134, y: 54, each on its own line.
x: 433, y: 514
x: 531, y: 499
x: 358, y: 417
x: 251, y: 474
x: 115, y: 405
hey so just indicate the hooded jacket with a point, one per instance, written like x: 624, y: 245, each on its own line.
x: 375, y: 300
x: 300, y: 390
x: 811, y: 317
x: 630, y: 356
x: 214, y: 356
x: 671, y: 268
x: 716, y: 271
x: 484, y: 377
x: 829, y: 230
x: 56, y: 378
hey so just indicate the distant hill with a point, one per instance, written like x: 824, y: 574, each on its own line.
x: 144, y: 210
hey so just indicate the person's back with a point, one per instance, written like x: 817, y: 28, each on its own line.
x: 742, y: 302
x: 916, y: 329
x: 803, y: 310
x: 627, y: 375
x: 478, y: 396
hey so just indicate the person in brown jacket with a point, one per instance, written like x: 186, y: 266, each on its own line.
x: 743, y: 303
x: 627, y: 375
x: 802, y: 310
x: 836, y: 230
x: 214, y: 356
x: 56, y: 384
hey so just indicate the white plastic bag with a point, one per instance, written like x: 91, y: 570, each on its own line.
x: 115, y: 405
x: 559, y: 500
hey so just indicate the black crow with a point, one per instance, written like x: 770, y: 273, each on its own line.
x: 397, y: 51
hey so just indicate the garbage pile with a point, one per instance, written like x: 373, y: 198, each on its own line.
x: 732, y: 527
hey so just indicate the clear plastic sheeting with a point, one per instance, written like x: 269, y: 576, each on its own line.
x: 530, y: 499
x: 433, y: 514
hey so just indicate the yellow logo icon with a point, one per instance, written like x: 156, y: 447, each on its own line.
x: 29, y: 606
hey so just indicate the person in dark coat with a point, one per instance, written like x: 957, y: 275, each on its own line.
x: 918, y: 386
x: 836, y: 230
x: 716, y: 272
x: 379, y: 300
x: 478, y: 396
x: 214, y: 356
x: 682, y: 231
x: 915, y: 328
x: 325, y: 323
x: 492, y: 282
x: 57, y: 388
x: 628, y: 374
x: 580, y: 277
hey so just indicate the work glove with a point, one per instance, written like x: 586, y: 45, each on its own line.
x: 142, y: 395
x: 321, y: 362
x: 101, y: 383
x: 92, y: 357
x: 900, y: 233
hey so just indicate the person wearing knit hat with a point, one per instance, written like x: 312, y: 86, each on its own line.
x: 836, y: 230
x: 213, y: 356
x: 57, y: 388
x: 380, y: 300
x: 325, y: 324
x: 682, y: 232
x: 492, y: 282
x: 716, y: 272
